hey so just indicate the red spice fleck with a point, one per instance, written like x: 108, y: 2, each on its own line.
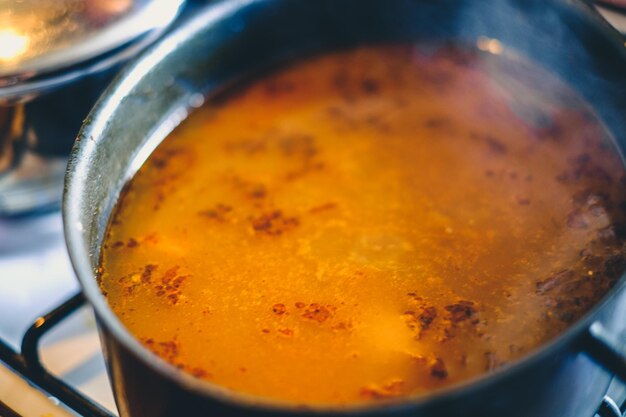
x: 461, y: 311
x: 553, y: 281
x: 218, y: 213
x: 132, y: 243
x: 583, y: 167
x: 438, y: 369
x: 159, y: 163
x: 160, y: 198
x: 146, y: 275
x: 286, y: 332
x: 279, y: 309
x: 167, y: 350
x: 370, y: 86
x: 318, y: 312
x: 117, y: 244
x: 274, y: 223
x: 300, y: 304
x: 495, y: 145
x: 342, y: 326
x: 170, y: 285
x: 170, y: 274
x: 427, y: 317
x: 323, y: 207
x: 152, y: 238
x: 257, y: 191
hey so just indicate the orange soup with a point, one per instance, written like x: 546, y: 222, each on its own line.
x: 369, y: 224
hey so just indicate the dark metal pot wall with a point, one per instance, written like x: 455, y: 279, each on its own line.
x: 230, y: 39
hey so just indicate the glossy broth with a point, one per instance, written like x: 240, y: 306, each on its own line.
x: 369, y: 224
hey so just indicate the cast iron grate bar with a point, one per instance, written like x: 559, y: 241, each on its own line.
x: 608, y: 408
x: 28, y: 364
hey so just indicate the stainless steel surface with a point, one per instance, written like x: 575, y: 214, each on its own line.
x: 56, y: 57
x: 39, y: 36
x: 35, y: 183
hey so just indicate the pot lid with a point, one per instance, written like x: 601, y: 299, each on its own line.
x: 39, y: 36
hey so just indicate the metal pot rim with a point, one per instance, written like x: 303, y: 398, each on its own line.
x: 75, y: 186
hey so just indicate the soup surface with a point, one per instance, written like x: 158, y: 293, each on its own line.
x: 369, y: 224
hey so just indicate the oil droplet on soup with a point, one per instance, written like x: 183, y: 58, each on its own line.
x: 369, y: 224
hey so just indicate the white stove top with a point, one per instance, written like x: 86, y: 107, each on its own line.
x: 35, y: 276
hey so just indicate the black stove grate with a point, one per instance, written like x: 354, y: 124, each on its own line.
x: 28, y: 364
x: 608, y: 408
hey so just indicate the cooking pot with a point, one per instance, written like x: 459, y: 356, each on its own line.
x: 228, y: 40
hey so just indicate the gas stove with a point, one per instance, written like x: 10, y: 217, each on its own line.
x: 35, y: 277
x: 51, y: 362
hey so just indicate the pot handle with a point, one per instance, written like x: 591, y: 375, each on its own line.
x: 604, y: 349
